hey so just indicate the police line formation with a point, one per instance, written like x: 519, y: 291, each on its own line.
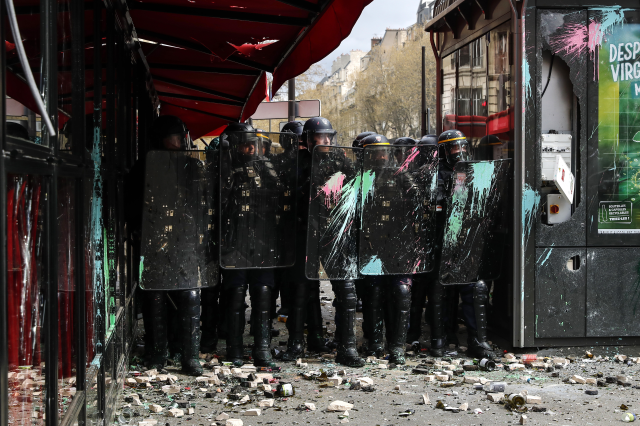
x: 385, y: 222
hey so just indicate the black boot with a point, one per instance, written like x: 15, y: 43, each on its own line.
x: 189, y: 308
x: 418, y: 294
x: 315, y: 333
x: 295, y: 321
x: 359, y: 295
x: 261, y: 324
x: 436, y: 302
x: 477, y: 341
x: 347, y: 352
x: 400, y: 296
x: 235, y: 325
x: 452, y: 299
x: 373, y: 316
x: 157, y: 325
x: 209, y: 320
x: 174, y: 332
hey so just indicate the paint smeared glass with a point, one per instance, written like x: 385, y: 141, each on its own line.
x: 457, y: 204
x: 405, y: 165
x: 373, y: 267
x: 333, y: 188
x: 483, y: 178
x: 341, y: 220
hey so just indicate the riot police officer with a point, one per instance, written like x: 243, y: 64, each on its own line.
x: 290, y: 140
x: 394, y: 289
x: 168, y: 133
x: 249, y: 179
x: 420, y: 282
x: 453, y: 147
x: 318, y: 131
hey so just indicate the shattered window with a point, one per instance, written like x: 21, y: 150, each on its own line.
x: 26, y: 290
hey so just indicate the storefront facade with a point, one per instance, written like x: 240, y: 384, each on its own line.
x: 531, y: 81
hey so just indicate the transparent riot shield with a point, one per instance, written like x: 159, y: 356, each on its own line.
x: 257, y: 204
x: 334, y: 213
x: 178, y: 249
x: 475, y: 228
x: 397, y: 229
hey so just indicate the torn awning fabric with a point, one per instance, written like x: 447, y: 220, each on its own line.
x: 208, y: 61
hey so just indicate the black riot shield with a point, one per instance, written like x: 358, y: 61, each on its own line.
x: 178, y: 248
x: 398, y: 189
x: 474, y: 232
x: 257, y: 204
x: 334, y: 213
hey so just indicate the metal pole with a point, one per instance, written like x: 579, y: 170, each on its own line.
x: 518, y: 22
x: 423, y: 112
x: 428, y: 121
x: 438, y: 126
x: 292, y: 99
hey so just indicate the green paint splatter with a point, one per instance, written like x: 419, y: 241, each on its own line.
x: 373, y: 267
x: 530, y: 203
x: 141, y: 268
x: 342, y: 217
x: 483, y: 174
x: 368, y: 178
x: 456, y: 209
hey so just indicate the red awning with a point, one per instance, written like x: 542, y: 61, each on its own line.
x: 208, y: 60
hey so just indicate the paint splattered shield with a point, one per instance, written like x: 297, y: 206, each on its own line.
x: 178, y: 249
x: 398, y: 217
x: 334, y: 213
x: 475, y: 225
x: 257, y: 204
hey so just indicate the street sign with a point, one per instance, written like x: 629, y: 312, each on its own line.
x: 280, y: 110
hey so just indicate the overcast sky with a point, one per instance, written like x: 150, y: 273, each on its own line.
x: 378, y: 16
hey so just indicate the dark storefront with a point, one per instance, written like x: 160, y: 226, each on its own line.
x: 68, y: 270
x: 531, y: 81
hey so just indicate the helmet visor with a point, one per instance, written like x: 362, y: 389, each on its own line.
x: 379, y: 155
x: 321, y: 138
x: 458, y: 150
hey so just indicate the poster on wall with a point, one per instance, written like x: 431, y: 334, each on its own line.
x: 619, y: 130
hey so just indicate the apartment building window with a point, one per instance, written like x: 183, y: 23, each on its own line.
x: 476, y: 94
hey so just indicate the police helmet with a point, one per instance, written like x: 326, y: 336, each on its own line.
x: 379, y: 157
x: 356, y: 141
x: 429, y: 140
x: 289, y: 141
x: 455, y: 146
x: 265, y: 140
x: 404, y: 141
x: 233, y: 132
x: 170, y: 132
x: 374, y: 139
x: 318, y: 126
x: 244, y: 142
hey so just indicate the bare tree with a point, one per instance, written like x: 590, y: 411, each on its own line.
x: 388, y: 91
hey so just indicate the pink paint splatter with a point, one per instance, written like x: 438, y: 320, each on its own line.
x: 577, y: 38
x: 408, y: 160
x: 332, y: 189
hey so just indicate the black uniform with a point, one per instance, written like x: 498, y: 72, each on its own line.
x: 420, y: 282
x: 306, y: 301
x: 170, y: 133
x: 256, y: 209
x: 454, y: 147
x: 391, y: 249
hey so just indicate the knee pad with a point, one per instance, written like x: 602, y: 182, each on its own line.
x: 480, y: 289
